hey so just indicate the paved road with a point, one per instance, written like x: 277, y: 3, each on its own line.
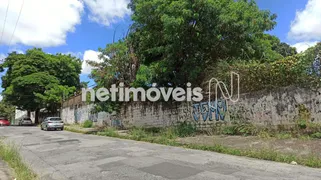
x: 65, y: 155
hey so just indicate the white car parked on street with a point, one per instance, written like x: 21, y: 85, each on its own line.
x: 52, y: 123
x: 26, y: 121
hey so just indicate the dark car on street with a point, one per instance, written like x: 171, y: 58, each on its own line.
x: 4, y: 121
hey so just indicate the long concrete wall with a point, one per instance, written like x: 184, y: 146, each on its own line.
x: 261, y: 108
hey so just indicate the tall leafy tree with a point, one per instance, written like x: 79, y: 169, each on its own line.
x: 119, y: 64
x: 312, y: 52
x: 279, y: 47
x: 7, y: 110
x: 180, y: 38
x: 285, y: 49
x: 84, y: 84
x: 37, y: 80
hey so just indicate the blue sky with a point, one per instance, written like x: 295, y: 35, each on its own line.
x: 286, y: 11
x: 80, y: 27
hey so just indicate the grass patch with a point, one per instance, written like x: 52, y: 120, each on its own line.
x: 316, y: 135
x: 301, y: 130
x: 111, y: 132
x: 10, y: 154
x: 185, y: 129
x: 77, y: 129
x: 87, y: 124
x: 283, y: 136
x: 74, y: 128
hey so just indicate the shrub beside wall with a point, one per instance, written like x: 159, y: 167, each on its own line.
x: 88, y: 124
x: 256, y: 76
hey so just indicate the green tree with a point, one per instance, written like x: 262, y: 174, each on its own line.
x: 144, y: 77
x: 84, y: 84
x: 37, y: 80
x: 54, y: 95
x: 179, y: 39
x: 311, y: 53
x: 285, y: 49
x: 7, y: 110
x: 119, y: 64
x: 279, y: 47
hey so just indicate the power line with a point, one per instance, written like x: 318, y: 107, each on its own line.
x: 5, y: 20
x: 14, y: 30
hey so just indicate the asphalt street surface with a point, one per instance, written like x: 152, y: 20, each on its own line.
x: 61, y: 155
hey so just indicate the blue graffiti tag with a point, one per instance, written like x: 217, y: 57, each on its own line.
x: 206, y: 110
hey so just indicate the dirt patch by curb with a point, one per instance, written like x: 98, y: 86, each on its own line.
x: 294, y: 146
x: 5, y: 173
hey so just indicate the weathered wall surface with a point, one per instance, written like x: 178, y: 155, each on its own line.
x: 167, y: 114
x: 277, y: 107
x: 78, y: 112
x: 261, y: 108
x: 19, y: 114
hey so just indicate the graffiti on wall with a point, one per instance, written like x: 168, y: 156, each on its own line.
x: 116, y: 121
x: 93, y: 117
x: 210, y: 110
x: 184, y: 113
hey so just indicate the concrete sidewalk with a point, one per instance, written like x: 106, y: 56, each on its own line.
x: 5, y: 173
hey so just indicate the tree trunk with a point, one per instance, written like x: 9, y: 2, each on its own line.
x: 37, y: 117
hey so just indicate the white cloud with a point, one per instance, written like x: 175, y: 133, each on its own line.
x: 307, y: 23
x: 106, y: 12
x: 302, y: 46
x: 75, y: 54
x: 2, y: 56
x: 19, y: 51
x: 42, y: 23
x: 46, y: 23
x: 92, y: 56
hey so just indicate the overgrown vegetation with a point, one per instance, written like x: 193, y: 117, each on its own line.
x: 7, y: 110
x: 181, y: 130
x: 77, y: 129
x: 87, y: 124
x: 245, y: 129
x: 265, y: 154
x: 9, y: 153
x: 259, y: 75
x: 301, y: 129
x: 185, y: 129
x: 111, y: 132
x: 179, y: 39
x: 316, y: 135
